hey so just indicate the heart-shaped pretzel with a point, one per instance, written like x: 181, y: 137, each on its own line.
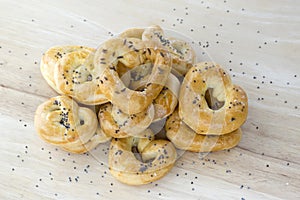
x: 208, y: 101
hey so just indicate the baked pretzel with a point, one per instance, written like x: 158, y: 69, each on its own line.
x: 119, y: 125
x: 183, y: 55
x: 131, y: 52
x: 185, y: 138
x: 52, y: 57
x: 137, y: 161
x: 209, y: 103
x: 73, y: 76
x: 166, y: 101
x: 60, y: 121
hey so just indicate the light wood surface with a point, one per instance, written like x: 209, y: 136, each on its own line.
x: 258, y: 42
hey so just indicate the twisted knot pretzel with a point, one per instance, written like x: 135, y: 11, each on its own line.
x: 60, y: 121
x: 69, y: 70
x: 131, y: 52
x: 183, y: 55
x: 137, y: 161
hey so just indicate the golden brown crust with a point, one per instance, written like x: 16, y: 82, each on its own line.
x: 193, y: 106
x: 119, y: 125
x: 74, y: 76
x: 183, y: 137
x: 50, y: 59
x: 157, y: 159
x: 132, y: 33
x: 131, y: 52
x: 166, y: 101
x: 183, y: 55
x: 60, y: 121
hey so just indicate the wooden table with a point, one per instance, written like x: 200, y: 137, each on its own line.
x: 258, y: 42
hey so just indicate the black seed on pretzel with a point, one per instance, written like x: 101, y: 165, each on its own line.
x: 112, y: 68
x: 55, y: 102
x: 123, y: 90
x: 130, y: 46
x: 124, y: 42
x: 120, y: 57
x: 143, y: 168
x: 104, y: 50
x: 89, y: 77
x: 102, y: 62
x: 149, y: 51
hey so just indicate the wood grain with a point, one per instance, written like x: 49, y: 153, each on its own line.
x: 258, y: 42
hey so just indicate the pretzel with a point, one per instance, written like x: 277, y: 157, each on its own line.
x: 119, y: 125
x: 209, y: 103
x: 166, y: 101
x: 60, y: 121
x: 131, y: 52
x: 52, y: 57
x: 185, y: 138
x: 74, y: 76
x: 138, y: 161
x: 183, y: 55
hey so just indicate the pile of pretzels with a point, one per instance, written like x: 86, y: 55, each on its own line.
x: 131, y: 82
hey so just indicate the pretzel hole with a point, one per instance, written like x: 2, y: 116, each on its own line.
x: 138, y: 156
x: 213, y: 102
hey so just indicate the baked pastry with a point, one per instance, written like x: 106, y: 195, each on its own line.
x: 74, y: 76
x: 60, y: 121
x: 208, y: 101
x: 138, y: 161
x: 183, y: 55
x: 166, y: 101
x: 185, y: 138
x: 119, y: 125
x: 51, y: 58
x: 131, y: 52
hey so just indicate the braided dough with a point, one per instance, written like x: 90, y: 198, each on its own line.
x: 60, y: 121
x: 183, y: 137
x: 224, y: 111
x: 156, y: 159
x: 131, y: 52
